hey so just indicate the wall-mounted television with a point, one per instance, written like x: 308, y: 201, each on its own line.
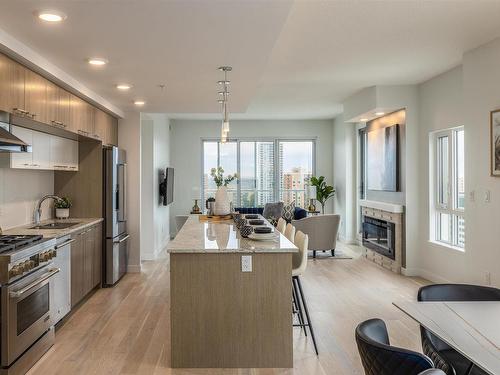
x: 167, y: 186
x: 382, y: 159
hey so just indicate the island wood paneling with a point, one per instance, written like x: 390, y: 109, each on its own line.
x: 222, y: 317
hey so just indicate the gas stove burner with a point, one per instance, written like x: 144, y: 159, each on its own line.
x: 12, y: 242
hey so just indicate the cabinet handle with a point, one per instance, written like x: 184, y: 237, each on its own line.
x: 61, y: 166
x: 22, y: 111
x: 26, y: 164
x: 35, y: 165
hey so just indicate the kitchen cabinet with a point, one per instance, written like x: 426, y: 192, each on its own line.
x: 81, y: 116
x: 63, y: 154
x: 47, y: 152
x: 86, y: 259
x: 58, y: 106
x: 11, y: 84
x: 105, y: 127
x: 35, y: 96
x: 39, y: 157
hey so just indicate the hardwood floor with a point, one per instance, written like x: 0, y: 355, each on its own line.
x: 125, y: 329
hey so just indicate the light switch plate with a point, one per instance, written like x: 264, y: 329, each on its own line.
x: 246, y: 263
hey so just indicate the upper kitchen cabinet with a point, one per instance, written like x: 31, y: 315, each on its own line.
x: 105, y: 127
x: 11, y: 85
x: 81, y: 116
x: 35, y: 96
x: 58, y: 106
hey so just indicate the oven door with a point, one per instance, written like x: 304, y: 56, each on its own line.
x: 26, y: 312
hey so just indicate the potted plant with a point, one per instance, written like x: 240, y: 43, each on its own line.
x: 222, y: 203
x: 62, y: 208
x: 323, y: 191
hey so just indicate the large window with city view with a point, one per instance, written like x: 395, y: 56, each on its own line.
x: 448, y: 189
x: 269, y: 170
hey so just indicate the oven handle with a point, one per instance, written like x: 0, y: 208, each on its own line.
x: 65, y: 243
x: 40, y: 280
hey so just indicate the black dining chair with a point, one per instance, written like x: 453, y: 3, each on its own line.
x: 380, y: 358
x: 445, y: 357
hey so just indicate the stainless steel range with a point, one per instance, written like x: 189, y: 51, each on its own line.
x: 26, y: 274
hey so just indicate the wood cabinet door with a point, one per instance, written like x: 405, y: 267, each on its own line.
x: 35, y: 96
x: 80, y: 116
x: 64, y: 107
x: 88, y: 277
x: 77, y: 252
x: 100, y: 125
x: 97, y: 265
x: 11, y: 84
x: 52, y: 104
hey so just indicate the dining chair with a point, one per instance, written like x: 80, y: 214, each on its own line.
x: 444, y: 356
x: 380, y: 358
x: 281, y: 225
x: 299, y: 265
x: 290, y: 232
x: 432, y: 371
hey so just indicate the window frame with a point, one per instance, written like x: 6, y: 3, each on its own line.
x: 275, y: 140
x: 449, y: 204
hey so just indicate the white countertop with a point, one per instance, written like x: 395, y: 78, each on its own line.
x: 223, y: 237
x: 471, y: 328
x: 80, y: 223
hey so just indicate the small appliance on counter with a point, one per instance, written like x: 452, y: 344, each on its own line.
x: 116, y: 242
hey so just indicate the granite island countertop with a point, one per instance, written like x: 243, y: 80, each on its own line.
x: 80, y: 224
x: 197, y: 236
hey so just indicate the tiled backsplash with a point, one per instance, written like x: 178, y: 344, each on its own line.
x: 20, y: 190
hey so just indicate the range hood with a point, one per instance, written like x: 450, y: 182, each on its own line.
x: 8, y: 141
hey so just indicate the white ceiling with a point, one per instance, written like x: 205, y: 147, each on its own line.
x: 291, y: 59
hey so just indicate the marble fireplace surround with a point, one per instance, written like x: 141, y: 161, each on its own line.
x: 393, y: 213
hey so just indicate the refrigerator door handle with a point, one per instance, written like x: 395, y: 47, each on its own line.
x: 122, y: 239
x: 121, y: 195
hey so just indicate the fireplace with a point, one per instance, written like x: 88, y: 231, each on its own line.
x: 379, y: 236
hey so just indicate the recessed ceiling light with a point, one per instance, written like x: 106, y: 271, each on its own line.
x: 363, y: 119
x: 123, y: 86
x: 379, y: 113
x: 98, y: 61
x: 50, y: 15
x: 139, y: 102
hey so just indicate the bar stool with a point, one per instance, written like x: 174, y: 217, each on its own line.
x: 281, y: 225
x: 290, y: 232
x: 299, y: 264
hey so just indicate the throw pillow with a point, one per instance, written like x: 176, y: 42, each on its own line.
x: 288, y: 211
x: 273, y: 210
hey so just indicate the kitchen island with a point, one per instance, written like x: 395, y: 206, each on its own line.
x: 228, y: 310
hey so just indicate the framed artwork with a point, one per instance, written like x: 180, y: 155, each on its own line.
x: 495, y: 142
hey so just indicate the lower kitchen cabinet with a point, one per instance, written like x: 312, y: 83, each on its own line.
x: 86, y: 254
x: 62, y: 280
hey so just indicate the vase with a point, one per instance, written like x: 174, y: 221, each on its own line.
x: 222, y: 204
x: 62, y: 213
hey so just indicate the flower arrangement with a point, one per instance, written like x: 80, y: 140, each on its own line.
x: 64, y: 202
x: 218, y: 175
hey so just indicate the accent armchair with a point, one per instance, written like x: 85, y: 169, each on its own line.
x: 322, y: 231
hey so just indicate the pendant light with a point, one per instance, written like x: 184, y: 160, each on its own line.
x: 224, y: 102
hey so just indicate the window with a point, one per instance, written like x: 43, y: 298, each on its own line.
x: 447, y: 187
x: 267, y: 169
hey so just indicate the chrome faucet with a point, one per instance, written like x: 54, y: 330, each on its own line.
x: 38, y: 209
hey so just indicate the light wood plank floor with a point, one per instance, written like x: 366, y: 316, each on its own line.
x: 125, y: 329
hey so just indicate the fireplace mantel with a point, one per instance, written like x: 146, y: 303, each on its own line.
x: 383, y: 206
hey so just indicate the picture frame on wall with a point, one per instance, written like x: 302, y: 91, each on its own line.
x: 495, y: 143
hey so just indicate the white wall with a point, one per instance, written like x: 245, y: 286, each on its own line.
x: 129, y: 138
x: 186, y: 156
x: 441, y: 107
x: 20, y: 191
x: 155, y: 157
x: 465, y: 96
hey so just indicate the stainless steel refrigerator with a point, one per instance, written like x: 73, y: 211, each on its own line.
x: 115, y: 215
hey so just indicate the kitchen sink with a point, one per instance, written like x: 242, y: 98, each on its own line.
x: 54, y: 226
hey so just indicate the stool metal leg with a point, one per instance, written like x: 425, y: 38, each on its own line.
x: 299, y: 307
x: 303, y: 301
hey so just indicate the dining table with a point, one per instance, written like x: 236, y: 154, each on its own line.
x: 471, y: 328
